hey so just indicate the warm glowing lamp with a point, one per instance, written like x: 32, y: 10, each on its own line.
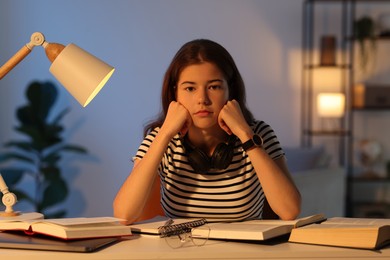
x: 330, y: 104
x: 81, y: 73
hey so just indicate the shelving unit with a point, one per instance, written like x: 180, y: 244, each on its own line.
x: 339, y: 22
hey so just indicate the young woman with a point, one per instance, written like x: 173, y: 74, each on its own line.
x: 205, y: 155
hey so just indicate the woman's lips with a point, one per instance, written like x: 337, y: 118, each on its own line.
x: 203, y: 113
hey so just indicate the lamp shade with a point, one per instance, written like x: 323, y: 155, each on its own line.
x: 81, y: 73
x: 330, y: 104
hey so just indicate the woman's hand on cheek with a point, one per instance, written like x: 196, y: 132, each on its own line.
x: 231, y: 119
x: 223, y: 125
x: 177, y: 119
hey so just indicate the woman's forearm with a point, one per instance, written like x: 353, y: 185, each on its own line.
x: 279, y: 188
x: 134, y: 193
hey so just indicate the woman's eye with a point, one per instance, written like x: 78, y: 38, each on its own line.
x: 189, y: 89
x: 215, y: 87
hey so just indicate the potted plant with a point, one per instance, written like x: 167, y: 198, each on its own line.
x: 39, y: 154
x: 364, y: 33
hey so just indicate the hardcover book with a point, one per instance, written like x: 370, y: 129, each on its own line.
x: 362, y: 233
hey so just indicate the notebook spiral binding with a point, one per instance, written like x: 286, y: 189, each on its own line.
x: 177, y: 229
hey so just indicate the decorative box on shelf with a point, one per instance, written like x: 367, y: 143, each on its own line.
x: 371, y: 96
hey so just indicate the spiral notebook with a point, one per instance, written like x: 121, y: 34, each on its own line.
x: 164, y: 226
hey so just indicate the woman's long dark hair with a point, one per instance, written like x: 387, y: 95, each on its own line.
x: 197, y: 52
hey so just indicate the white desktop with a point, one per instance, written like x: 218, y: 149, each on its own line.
x: 154, y: 247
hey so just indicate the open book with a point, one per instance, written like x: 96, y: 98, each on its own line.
x: 362, y: 233
x: 257, y: 230
x: 244, y: 230
x: 69, y: 228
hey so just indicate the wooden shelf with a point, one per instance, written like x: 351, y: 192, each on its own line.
x: 311, y: 125
x: 318, y: 66
x: 340, y: 132
x: 371, y: 108
x: 370, y: 180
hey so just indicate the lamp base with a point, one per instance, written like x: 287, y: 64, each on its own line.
x: 17, y: 215
x: 9, y: 214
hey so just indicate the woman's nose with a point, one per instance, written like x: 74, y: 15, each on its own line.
x: 204, y: 97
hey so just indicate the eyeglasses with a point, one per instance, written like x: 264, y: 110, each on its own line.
x: 187, y: 237
x: 177, y: 235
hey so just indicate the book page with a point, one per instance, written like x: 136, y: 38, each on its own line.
x: 241, y: 231
x: 80, y: 221
x: 340, y: 226
x: 296, y: 222
x: 241, y: 227
x: 357, y: 221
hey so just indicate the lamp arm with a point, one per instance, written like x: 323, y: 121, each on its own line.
x: 36, y: 39
x: 9, y: 199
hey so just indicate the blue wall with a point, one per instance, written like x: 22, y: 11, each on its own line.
x: 140, y: 38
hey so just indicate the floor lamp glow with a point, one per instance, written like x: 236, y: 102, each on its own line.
x: 81, y: 73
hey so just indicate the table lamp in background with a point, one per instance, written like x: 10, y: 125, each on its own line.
x: 82, y: 74
x: 331, y: 105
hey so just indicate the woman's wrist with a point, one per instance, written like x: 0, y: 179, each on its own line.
x: 245, y: 135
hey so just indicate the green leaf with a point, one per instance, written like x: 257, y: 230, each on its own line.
x: 43, y: 148
x: 54, y: 154
x: 51, y: 158
x: 51, y: 173
x: 21, y: 195
x: 58, y: 118
x: 74, y: 148
x: 23, y: 145
x: 26, y: 117
x: 12, y: 175
x: 15, y: 156
x: 42, y: 97
x: 31, y: 131
x: 55, y: 192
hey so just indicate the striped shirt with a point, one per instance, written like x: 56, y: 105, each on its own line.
x: 234, y: 193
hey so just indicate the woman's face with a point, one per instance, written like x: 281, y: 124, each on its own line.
x: 203, y: 91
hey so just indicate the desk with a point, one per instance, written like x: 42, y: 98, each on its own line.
x: 149, y: 247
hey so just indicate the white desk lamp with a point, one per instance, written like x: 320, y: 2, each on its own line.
x: 81, y: 73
